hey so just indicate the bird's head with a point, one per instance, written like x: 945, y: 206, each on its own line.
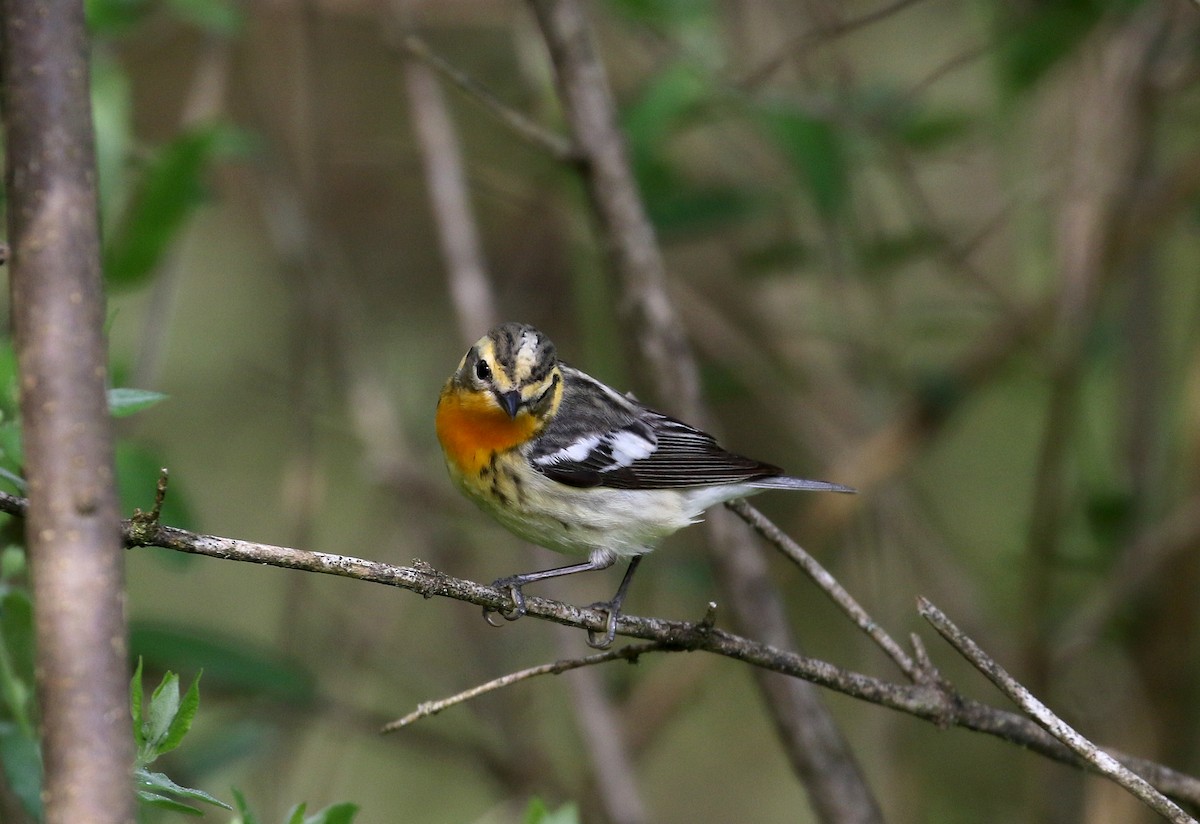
x: 514, y: 368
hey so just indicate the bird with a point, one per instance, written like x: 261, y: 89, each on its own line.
x: 570, y: 464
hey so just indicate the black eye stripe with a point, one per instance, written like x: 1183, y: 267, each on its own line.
x: 545, y: 393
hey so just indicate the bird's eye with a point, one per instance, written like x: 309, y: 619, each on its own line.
x: 482, y: 370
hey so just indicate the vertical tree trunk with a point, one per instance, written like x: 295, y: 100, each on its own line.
x: 72, y: 528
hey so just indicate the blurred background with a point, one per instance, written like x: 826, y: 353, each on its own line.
x: 944, y: 252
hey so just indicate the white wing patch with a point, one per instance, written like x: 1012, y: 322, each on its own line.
x: 628, y: 447
x: 603, y: 453
x: 576, y: 452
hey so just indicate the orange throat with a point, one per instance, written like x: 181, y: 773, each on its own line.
x: 471, y: 429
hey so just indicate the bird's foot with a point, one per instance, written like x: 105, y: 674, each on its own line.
x: 518, y: 602
x: 594, y: 639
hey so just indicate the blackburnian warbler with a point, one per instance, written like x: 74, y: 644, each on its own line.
x: 572, y: 465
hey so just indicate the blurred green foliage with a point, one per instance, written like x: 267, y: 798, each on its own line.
x: 857, y: 212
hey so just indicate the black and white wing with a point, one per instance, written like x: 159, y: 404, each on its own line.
x: 608, y: 439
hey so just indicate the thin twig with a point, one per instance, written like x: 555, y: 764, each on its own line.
x: 1103, y: 763
x: 829, y: 585
x: 630, y: 653
x: 555, y: 145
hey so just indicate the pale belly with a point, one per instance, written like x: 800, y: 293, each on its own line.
x: 598, y: 522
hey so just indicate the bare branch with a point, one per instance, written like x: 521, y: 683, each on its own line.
x: 932, y: 702
x: 630, y: 653
x: 1101, y: 761
x: 555, y: 145
x: 445, y: 180
x: 829, y: 585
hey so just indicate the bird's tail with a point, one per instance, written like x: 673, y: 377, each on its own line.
x: 788, y: 482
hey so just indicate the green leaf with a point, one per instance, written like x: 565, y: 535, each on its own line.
x: 1035, y: 37
x: 815, y: 147
x: 683, y: 208
x: 667, y: 14
x: 929, y: 130
x: 13, y: 563
x: 164, y: 703
x: 182, y: 722
x: 109, y: 17
x: 243, y: 810
x: 334, y: 814
x: 662, y: 107
x: 8, y: 380
x: 538, y: 813
x: 296, y: 814
x: 22, y: 766
x: 136, y: 697
x: 16, y: 659
x: 164, y: 803
x: 112, y: 116
x: 123, y: 402
x: 171, y: 189
x: 158, y: 783
x: 12, y: 454
x: 535, y: 812
x: 214, y: 16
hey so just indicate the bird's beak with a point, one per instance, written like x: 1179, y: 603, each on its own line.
x: 510, y: 402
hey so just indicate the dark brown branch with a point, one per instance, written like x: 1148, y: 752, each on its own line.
x: 58, y: 318
x: 930, y: 702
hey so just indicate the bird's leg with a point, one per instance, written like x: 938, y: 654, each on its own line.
x: 614, y: 610
x: 514, y: 583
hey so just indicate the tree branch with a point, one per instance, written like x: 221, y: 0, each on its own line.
x: 830, y: 586
x: 1100, y: 761
x: 630, y: 653
x: 936, y: 703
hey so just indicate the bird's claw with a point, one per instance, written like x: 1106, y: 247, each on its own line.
x: 518, y: 607
x: 594, y: 639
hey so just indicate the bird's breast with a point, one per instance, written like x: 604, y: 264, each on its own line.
x: 471, y: 430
